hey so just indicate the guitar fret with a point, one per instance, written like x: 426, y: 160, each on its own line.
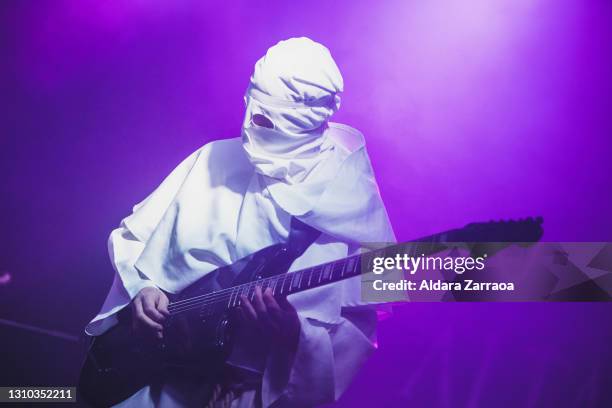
x: 295, y: 281
x: 326, y: 271
x: 286, y: 283
x: 351, y: 265
x: 252, y: 293
x: 274, y: 287
x: 290, y: 282
x: 229, y: 304
x: 237, y: 297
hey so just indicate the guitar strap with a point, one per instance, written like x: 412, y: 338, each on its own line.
x: 301, y: 236
x: 269, y: 261
x: 281, y: 256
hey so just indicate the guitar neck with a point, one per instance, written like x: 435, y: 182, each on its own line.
x: 528, y: 230
x: 292, y: 282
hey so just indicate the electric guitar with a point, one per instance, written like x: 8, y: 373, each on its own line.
x: 198, y: 332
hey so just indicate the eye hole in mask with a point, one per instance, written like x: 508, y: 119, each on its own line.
x: 261, y: 120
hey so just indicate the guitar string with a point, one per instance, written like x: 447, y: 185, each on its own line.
x: 432, y: 240
x: 215, y: 297
x: 206, y: 302
x: 227, y: 294
x: 222, y: 292
x: 251, y: 286
x: 248, y: 288
x: 307, y: 270
x: 278, y: 277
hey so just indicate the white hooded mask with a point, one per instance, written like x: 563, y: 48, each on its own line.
x: 293, y: 92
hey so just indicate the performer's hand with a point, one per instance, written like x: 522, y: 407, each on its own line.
x: 149, y: 310
x: 274, y: 319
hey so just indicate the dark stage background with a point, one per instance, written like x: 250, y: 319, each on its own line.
x: 473, y: 110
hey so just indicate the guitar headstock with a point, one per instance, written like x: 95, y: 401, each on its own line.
x: 522, y: 230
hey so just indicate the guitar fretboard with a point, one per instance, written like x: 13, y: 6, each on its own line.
x: 292, y: 282
x: 527, y: 230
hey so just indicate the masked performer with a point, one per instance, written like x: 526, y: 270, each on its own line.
x: 233, y: 197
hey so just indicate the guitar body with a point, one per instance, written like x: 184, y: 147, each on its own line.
x: 198, y: 333
x: 196, y: 341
